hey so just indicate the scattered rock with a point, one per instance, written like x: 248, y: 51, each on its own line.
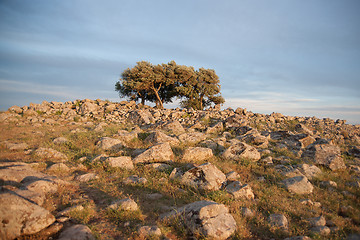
x: 197, y: 154
x: 217, y: 128
x: 205, y: 176
x: 247, y: 212
x: 298, y: 185
x: 240, y: 191
x: 159, y: 137
x: 16, y: 146
x: 126, y: 204
x: 158, y: 153
x: 232, y: 176
x: 317, y: 221
x: 241, y: 150
x: 140, y: 117
x: 134, y: 179
x: 50, y: 154
x: 174, y: 127
x: 58, y: 167
x: 17, y: 171
x: 107, y: 143
x: 149, y: 231
x: 24, y: 217
x: 325, y: 154
x: 120, y: 162
x: 279, y: 221
x: 77, y: 232
x: 160, y: 166
x: 310, y: 171
x: 207, y: 218
x: 321, y: 230
x: 192, y: 138
x: 87, y: 177
x: 60, y: 140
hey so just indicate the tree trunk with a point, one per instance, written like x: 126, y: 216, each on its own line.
x: 159, y: 103
x: 201, y: 102
x: 143, y: 101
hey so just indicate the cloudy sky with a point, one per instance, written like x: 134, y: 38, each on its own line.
x: 291, y: 56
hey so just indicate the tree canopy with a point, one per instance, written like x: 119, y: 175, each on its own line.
x: 161, y: 83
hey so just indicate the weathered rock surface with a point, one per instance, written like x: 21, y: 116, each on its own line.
x: 298, y: 185
x: 140, y: 117
x: 17, y: 171
x: 192, y: 138
x: 158, y: 153
x: 210, y: 219
x: 159, y: 137
x: 241, y: 150
x: 174, y: 127
x: 86, y: 177
x: 126, y: 204
x: 124, y: 162
x: 77, y: 232
x: 206, y: 176
x: 50, y: 154
x: 239, y: 190
x: 325, y: 154
x: 197, y: 154
x: 278, y: 220
x: 20, y: 217
x: 107, y: 143
x: 149, y: 231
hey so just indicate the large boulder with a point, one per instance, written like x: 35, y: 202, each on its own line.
x: 240, y: 191
x: 158, y: 153
x: 206, y: 218
x: 241, y: 151
x: 325, y: 154
x: 205, y: 176
x: 19, y: 217
x: 197, y: 154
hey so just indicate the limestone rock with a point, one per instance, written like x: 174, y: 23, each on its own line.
x: 87, y: 177
x: 192, y: 138
x: 278, y: 220
x: 232, y: 176
x: 126, y: 137
x: 317, y: 221
x: 159, y: 137
x: 20, y: 217
x: 322, y: 230
x: 241, y: 150
x: 134, y: 179
x: 217, y: 128
x: 197, y: 154
x: 35, y: 197
x: 124, y: 162
x: 325, y: 154
x: 157, y: 153
x: 149, y: 231
x: 298, y: 185
x: 140, y: 117
x: 41, y: 185
x: 210, y: 219
x: 310, y: 171
x: 60, y: 140
x: 16, y: 146
x: 174, y: 127
x: 205, y: 176
x: 247, y: 212
x: 126, y: 204
x: 160, y: 166
x: 17, y: 171
x: 107, y: 143
x: 50, y: 154
x: 77, y: 232
x: 240, y: 191
x: 58, y: 167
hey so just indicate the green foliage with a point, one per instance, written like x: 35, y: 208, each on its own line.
x: 161, y: 83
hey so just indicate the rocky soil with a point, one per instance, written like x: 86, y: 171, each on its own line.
x: 93, y: 169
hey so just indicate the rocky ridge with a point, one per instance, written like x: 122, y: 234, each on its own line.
x: 202, y: 168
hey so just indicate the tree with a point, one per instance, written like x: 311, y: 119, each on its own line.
x: 161, y: 83
x: 200, y: 88
x: 148, y: 82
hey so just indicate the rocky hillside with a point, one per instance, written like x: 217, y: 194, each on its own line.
x: 101, y: 170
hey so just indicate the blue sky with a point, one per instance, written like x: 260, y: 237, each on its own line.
x: 291, y: 56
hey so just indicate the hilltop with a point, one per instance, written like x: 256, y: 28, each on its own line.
x: 98, y: 169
